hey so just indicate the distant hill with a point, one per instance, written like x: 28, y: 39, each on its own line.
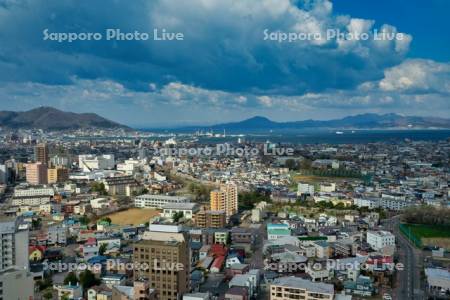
x: 50, y: 118
x: 362, y: 121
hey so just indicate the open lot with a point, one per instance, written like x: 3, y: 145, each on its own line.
x: 133, y: 216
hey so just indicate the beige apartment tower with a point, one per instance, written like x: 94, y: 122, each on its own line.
x: 36, y: 173
x: 226, y: 199
x: 167, y: 256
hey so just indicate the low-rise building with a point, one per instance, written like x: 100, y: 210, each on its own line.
x: 188, y: 210
x: 287, y: 288
x: 380, y: 239
x: 158, y: 201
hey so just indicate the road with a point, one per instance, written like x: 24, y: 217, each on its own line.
x: 257, y: 260
x: 408, y: 279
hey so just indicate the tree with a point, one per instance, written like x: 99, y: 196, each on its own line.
x: 102, y: 249
x: 106, y: 219
x: 88, y: 279
x: 177, y: 216
x: 305, y: 164
x: 84, y: 220
x: 99, y: 187
x: 71, y: 278
x: 48, y: 294
x: 36, y: 223
x: 44, y: 284
x: 200, y: 191
x: 291, y: 164
x: 247, y: 200
x: 340, y: 205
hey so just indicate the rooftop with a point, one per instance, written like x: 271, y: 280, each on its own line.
x: 296, y: 282
x: 183, y: 206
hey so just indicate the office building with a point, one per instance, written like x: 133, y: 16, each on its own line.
x: 91, y: 162
x: 165, y: 250
x: 36, y: 173
x: 41, y: 153
x: 226, y: 199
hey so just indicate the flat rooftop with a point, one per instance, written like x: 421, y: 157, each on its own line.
x: 296, y: 282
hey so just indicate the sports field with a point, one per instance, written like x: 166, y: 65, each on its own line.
x: 133, y: 216
x: 429, y: 231
x: 432, y: 235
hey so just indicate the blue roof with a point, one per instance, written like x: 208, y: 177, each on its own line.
x: 97, y: 259
x: 195, y: 245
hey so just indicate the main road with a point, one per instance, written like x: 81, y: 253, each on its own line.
x: 409, y: 278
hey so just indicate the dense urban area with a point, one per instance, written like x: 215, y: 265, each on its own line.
x: 110, y: 214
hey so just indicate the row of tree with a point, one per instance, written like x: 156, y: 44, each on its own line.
x: 428, y: 215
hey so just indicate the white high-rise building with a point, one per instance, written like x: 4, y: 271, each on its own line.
x: 14, y: 245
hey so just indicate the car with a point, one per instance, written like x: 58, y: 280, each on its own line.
x: 386, y: 296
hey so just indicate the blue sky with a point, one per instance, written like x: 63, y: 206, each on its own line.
x: 427, y: 21
x: 224, y: 69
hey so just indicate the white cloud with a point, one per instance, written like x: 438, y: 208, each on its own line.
x: 417, y: 75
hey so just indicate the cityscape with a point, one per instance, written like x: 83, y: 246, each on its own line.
x: 224, y: 150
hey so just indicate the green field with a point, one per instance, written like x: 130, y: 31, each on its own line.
x: 428, y: 231
x: 427, y: 235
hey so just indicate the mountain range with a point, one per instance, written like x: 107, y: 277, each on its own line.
x: 362, y: 121
x: 49, y: 118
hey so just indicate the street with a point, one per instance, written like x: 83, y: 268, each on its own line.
x: 408, y: 279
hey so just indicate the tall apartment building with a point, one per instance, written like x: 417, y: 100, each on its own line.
x: 165, y: 250
x: 36, y: 173
x: 4, y: 174
x: 287, y: 288
x: 14, y: 245
x: 16, y: 283
x: 41, y: 153
x: 57, y: 175
x: 226, y: 199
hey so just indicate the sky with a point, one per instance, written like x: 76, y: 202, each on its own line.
x: 387, y: 56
